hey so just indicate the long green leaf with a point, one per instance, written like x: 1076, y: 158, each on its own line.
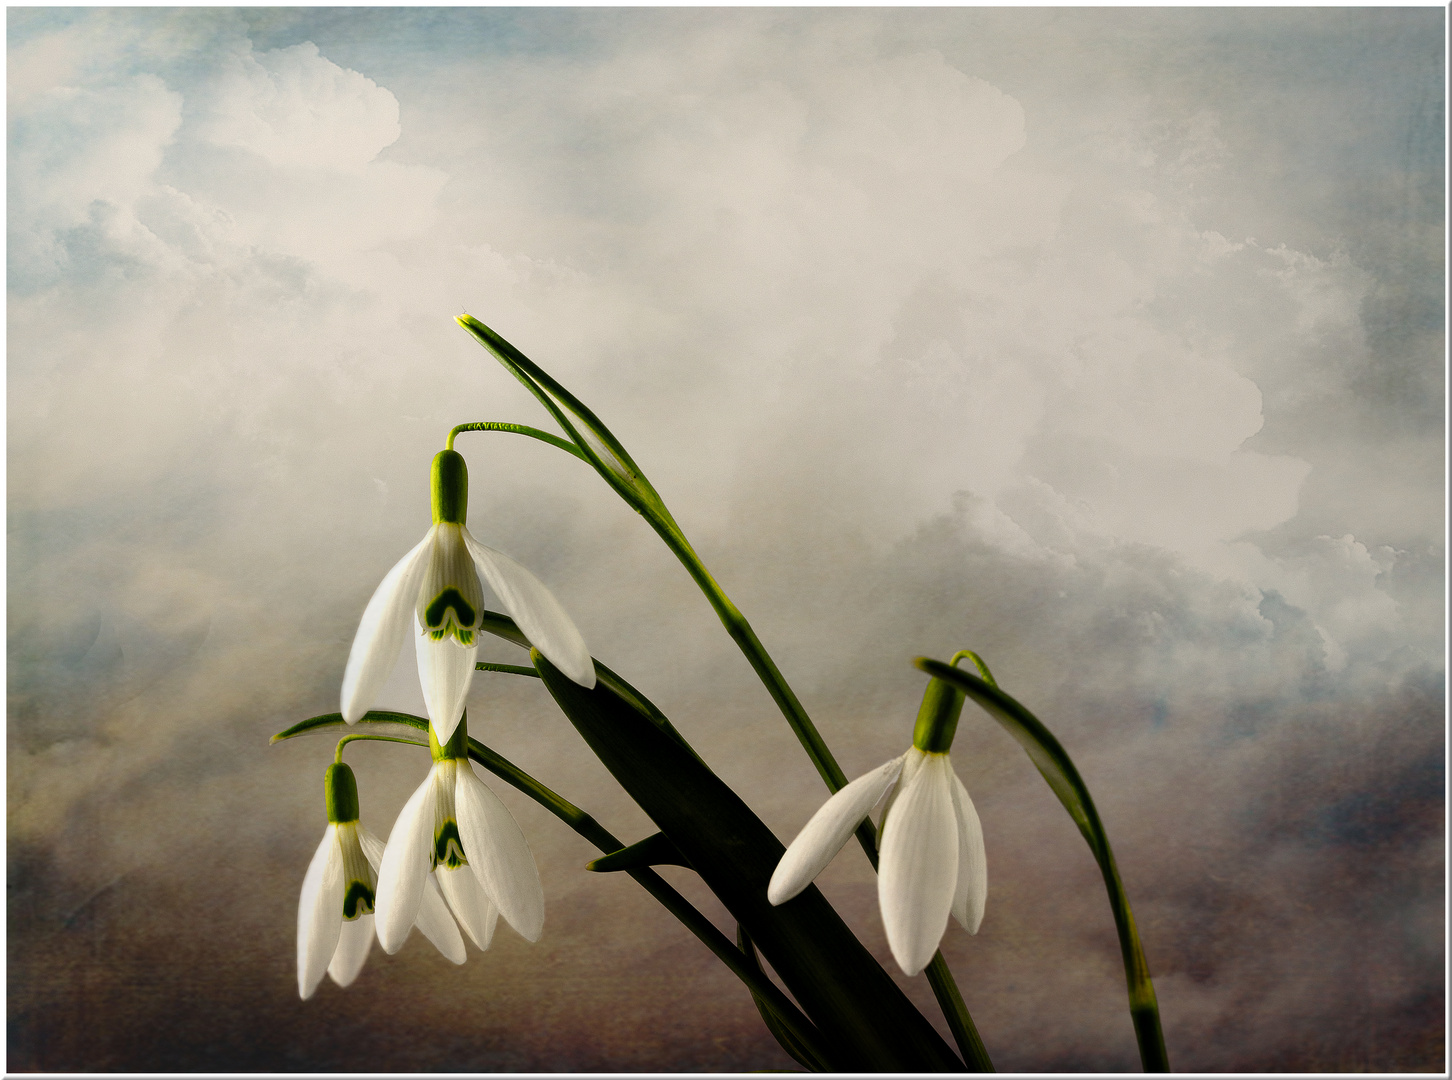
x: 502, y: 626
x: 867, y: 1021
x: 1054, y: 764
x: 785, y: 1039
x: 657, y: 849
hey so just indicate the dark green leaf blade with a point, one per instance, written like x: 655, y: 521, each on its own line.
x: 867, y: 1021
x: 657, y: 849
x: 1054, y: 764
x: 799, y: 1052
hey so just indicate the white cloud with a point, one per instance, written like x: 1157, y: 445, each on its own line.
x: 295, y: 108
x: 922, y: 354
x: 72, y: 148
x: 1335, y: 579
x: 791, y: 271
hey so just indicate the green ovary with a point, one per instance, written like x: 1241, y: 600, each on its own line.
x: 449, y: 614
x: 448, y: 848
x: 358, y: 900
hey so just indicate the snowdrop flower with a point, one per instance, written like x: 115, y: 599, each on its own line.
x: 436, y: 588
x: 930, y: 841
x: 454, y: 832
x: 335, y: 910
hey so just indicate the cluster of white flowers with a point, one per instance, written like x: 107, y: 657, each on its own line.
x: 455, y: 853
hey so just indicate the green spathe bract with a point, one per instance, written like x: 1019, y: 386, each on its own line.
x: 449, y: 487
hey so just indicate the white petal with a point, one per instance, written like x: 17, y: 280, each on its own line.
x: 386, y: 621
x: 536, y: 612
x: 435, y: 923
x: 918, y: 871
x: 319, y: 913
x: 371, y: 845
x: 445, y: 670
x: 474, y: 910
x: 434, y: 920
x: 354, y: 941
x: 497, y: 851
x: 829, y: 828
x: 971, y: 893
x: 405, y: 867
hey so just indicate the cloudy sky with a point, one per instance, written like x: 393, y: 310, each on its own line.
x: 1106, y: 343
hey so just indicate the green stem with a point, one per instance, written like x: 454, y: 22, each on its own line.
x: 977, y: 662
x: 956, y: 1013
x: 940, y: 978
x: 516, y: 429
x: 346, y: 739
x: 756, y: 654
x: 508, y: 669
x: 765, y: 668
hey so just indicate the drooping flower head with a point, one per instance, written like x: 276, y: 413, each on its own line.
x: 436, y: 589
x: 455, y: 834
x: 930, y: 841
x: 335, y: 921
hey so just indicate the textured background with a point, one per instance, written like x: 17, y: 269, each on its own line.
x: 1107, y: 343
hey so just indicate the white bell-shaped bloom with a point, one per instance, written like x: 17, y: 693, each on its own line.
x: 335, y: 920
x: 435, y: 590
x: 931, y: 852
x: 454, y: 832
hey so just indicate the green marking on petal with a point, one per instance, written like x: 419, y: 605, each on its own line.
x: 448, y: 847
x: 436, y: 616
x: 358, y: 901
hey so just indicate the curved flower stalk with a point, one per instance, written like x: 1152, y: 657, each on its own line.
x: 931, y: 842
x: 455, y: 833
x: 335, y: 910
x: 436, y: 587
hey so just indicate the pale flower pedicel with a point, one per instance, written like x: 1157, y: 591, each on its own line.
x: 436, y: 588
x: 335, y: 921
x: 454, y: 832
x: 931, y: 843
